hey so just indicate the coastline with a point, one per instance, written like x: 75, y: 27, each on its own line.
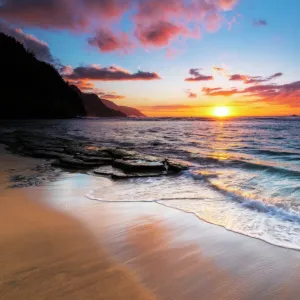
x: 172, y: 254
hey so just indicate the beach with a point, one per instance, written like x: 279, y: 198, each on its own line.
x: 57, y: 243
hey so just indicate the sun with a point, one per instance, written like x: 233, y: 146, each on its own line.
x: 221, y: 111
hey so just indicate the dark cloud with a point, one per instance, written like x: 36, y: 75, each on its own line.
x: 259, y: 22
x: 39, y: 48
x: 197, y: 76
x: 260, y: 79
x: 107, y: 41
x: 109, y: 74
x: 253, y: 79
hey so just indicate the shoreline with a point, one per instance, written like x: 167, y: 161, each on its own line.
x: 172, y: 254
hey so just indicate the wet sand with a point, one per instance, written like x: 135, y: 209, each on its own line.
x: 57, y: 244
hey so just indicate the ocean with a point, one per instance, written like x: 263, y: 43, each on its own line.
x: 244, y: 173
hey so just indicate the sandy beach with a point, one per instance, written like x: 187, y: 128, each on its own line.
x: 55, y: 243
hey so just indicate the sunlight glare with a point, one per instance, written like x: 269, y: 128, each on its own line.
x: 221, y: 111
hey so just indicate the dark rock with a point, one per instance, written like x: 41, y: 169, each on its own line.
x: 119, y: 174
x: 95, y: 159
x: 138, y: 165
x: 49, y: 154
x: 121, y: 153
x: 176, y: 165
x: 74, y: 163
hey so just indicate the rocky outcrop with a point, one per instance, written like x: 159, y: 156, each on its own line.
x: 128, y: 111
x: 32, y: 89
x: 118, y: 163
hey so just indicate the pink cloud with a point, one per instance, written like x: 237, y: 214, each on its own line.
x: 157, y: 22
x: 238, y: 77
x: 61, y: 14
x: 159, y: 34
x: 107, y: 41
x: 227, y: 4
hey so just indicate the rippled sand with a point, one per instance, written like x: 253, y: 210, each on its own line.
x: 57, y: 244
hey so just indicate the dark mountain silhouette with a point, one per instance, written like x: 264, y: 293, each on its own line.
x: 31, y: 88
x: 95, y: 107
x: 129, y: 111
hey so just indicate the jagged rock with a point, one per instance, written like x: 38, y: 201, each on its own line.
x: 49, y: 154
x: 139, y: 165
x: 176, y: 165
x: 74, y: 163
x: 121, y: 153
x: 95, y: 159
x: 119, y: 174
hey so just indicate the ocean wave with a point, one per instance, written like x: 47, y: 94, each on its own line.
x: 284, y: 213
x: 246, y: 165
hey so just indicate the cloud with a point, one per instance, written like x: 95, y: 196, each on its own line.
x: 190, y: 94
x: 253, y: 79
x: 208, y: 91
x: 227, y: 4
x: 259, y: 22
x: 83, y: 85
x: 197, y: 76
x: 156, y: 22
x: 112, y: 96
x: 285, y: 94
x: 158, y: 34
x: 260, y: 79
x: 39, y: 48
x: 60, y: 14
x: 219, y: 92
x: 108, y: 95
x: 107, y: 41
x: 220, y: 71
x: 87, y: 86
x: 238, y: 77
x: 112, y: 73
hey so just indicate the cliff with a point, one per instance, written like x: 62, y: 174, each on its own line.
x: 31, y: 88
x: 129, y: 111
x: 94, y: 106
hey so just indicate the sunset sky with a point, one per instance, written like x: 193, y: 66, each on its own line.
x: 169, y: 57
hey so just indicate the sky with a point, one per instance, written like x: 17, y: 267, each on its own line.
x: 169, y: 57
